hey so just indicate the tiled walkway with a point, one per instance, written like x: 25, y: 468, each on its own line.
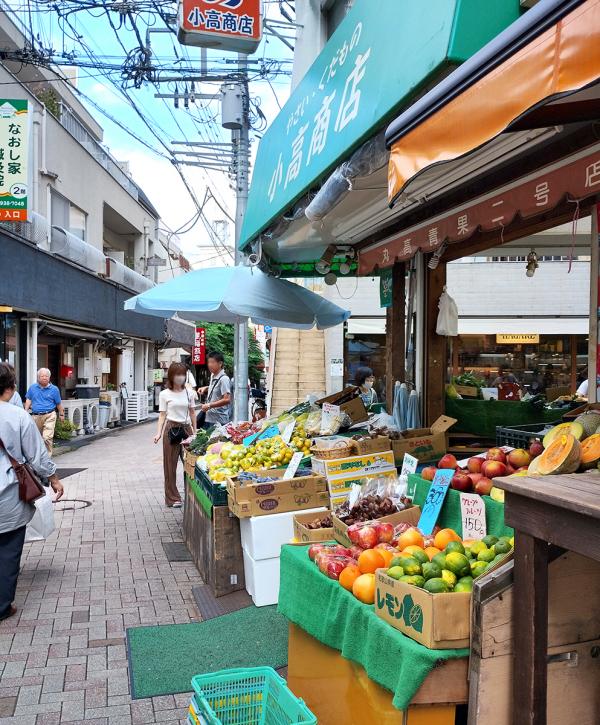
x: 62, y: 658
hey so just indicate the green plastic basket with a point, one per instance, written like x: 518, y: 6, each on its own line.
x: 249, y: 696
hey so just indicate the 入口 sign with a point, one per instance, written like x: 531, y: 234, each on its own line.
x: 199, y: 349
x: 14, y: 142
x: 230, y: 25
x: 518, y: 339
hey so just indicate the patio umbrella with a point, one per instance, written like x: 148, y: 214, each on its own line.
x: 400, y: 405
x: 413, y: 416
x: 234, y: 294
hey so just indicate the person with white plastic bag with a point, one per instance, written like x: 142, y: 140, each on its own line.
x: 21, y: 440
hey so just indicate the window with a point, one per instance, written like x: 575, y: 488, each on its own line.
x: 68, y: 216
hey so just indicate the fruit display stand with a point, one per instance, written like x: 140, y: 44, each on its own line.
x: 481, y: 417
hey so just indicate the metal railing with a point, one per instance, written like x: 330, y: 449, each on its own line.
x: 72, y: 124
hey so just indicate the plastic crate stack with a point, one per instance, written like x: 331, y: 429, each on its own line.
x: 136, y: 406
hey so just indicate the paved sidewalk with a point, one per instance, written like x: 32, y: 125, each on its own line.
x: 62, y: 658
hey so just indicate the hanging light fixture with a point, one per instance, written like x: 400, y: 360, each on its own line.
x: 532, y: 263
x: 330, y: 278
x: 323, y: 266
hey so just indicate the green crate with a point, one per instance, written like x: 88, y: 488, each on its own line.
x: 250, y: 696
x: 215, y: 492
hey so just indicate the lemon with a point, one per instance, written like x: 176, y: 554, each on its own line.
x: 449, y: 577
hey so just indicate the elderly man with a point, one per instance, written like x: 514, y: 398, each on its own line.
x: 43, y: 398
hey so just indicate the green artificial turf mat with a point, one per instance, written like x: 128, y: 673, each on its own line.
x: 163, y: 659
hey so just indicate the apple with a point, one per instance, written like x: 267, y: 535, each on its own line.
x: 428, y: 473
x: 335, y: 568
x: 367, y: 537
x: 535, y: 448
x: 355, y: 552
x: 448, y: 461
x: 519, y: 458
x: 461, y: 482
x: 510, y: 470
x: 386, y: 532
x: 340, y: 550
x: 496, y: 454
x: 494, y: 469
x: 483, y: 487
x: 314, y: 550
x: 474, y: 464
x: 353, y: 532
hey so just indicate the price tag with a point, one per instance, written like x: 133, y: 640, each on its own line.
x: 270, y: 432
x: 409, y: 465
x: 435, y: 500
x: 329, y: 413
x: 249, y: 440
x: 288, y: 431
x: 472, y: 509
x: 290, y: 471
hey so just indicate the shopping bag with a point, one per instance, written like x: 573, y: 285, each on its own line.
x: 42, y: 524
x: 447, y: 321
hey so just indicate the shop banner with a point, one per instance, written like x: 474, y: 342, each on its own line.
x: 230, y: 25
x: 14, y: 143
x: 199, y: 349
x: 385, y: 288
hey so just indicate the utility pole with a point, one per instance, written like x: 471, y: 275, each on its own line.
x: 241, y: 145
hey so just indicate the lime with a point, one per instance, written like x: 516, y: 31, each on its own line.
x: 465, y: 580
x: 410, y: 565
x: 502, y: 547
x: 511, y: 541
x: 396, y: 572
x: 440, y: 560
x: 463, y: 587
x: 454, y: 546
x: 397, y: 561
x: 457, y: 563
x: 497, y: 559
x: 477, y: 568
x: 416, y: 580
x: 489, y: 540
x: 431, y: 570
x: 435, y: 586
x: 469, y: 553
x: 449, y: 577
x: 486, y: 555
x: 476, y: 547
x: 419, y: 555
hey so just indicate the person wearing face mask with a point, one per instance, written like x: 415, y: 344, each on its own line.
x: 176, y: 422
x: 364, y: 381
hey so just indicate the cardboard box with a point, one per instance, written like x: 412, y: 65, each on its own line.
x: 583, y: 408
x: 438, y: 621
x: 245, y: 490
x: 262, y: 580
x: 355, y: 408
x: 340, y: 486
x: 371, y: 445
x: 189, y: 463
x: 357, y: 466
x: 264, y: 505
x: 410, y: 515
x: 311, y: 536
x: 263, y: 536
x: 467, y: 391
x: 425, y: 444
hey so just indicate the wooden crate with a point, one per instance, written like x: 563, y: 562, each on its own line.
x: 573, y: 645
x: 214, y: 543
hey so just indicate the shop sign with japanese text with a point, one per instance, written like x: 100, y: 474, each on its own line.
x: 231, y: 25
x: 14, y: 141
x: 521, y: 339
x: 199, y: 349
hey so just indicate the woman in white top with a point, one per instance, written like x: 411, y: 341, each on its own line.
x: 176, y: 421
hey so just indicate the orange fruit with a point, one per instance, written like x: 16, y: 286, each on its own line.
x: 364, y: 588
x: 387, y: 556
x: 431, y: 551
x: 444, y: 537
x: 348, y: 576
x: 410, y: 537
x: 370, y: 560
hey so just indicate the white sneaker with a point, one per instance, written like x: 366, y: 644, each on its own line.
x: 177, y: 505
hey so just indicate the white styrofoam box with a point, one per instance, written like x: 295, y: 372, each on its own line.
x: 263, y: 536
x: 262, y: 579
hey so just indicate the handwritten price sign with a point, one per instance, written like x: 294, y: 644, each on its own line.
x: 472, y: 510
x: 435, y: 500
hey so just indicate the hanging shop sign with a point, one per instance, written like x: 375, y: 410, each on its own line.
x: 385, y: 288
x: 537, y: 194
x: 14, y: 142
x: 230, y: 25
x: 199, y: 349
x: 518, y: 339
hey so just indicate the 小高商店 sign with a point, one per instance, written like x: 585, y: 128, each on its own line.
x: 199, y: 349
x: 234, y: 25
x: 524, y: 339
x: 14, y: 137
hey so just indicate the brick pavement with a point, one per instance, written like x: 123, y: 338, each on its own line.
x: 62, y: 658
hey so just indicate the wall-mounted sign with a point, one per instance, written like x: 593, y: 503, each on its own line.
x: 14, y: 142
x: 517, y: 339
x: 199, y: 349
x: 234, y: 25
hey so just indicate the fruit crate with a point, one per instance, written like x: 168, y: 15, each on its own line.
x: 249, y: 696
x: 216, y: 493
x: 518, y: 436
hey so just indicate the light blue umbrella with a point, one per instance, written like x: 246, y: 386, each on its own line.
x: 413, y: 415
x: 234, y: 294
x: 400, y: 405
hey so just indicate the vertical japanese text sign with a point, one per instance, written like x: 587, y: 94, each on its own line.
x: 199, y: 349
x: 234, y: 25
x: 14, y: 142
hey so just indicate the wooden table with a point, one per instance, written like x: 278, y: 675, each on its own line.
x: 549, y: 514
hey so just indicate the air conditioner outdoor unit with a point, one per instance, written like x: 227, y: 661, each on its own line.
x: 69, y: 246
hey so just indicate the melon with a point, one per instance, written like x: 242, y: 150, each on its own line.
x: 533, y: 467
x: 562, y: 456
x: 590, y: 451
x: 590, y: 420
x: 574, y: 428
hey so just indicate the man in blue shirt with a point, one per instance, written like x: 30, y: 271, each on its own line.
x: 44, y: 400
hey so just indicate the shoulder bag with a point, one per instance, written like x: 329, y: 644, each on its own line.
x: 177, y: 433
x: 30, y: 486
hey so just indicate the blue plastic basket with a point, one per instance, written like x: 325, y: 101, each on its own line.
x: 250, y: 696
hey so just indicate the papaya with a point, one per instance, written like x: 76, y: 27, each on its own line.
x: 590, y: 451
x: 562, y: 456
x: 574, y: 428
